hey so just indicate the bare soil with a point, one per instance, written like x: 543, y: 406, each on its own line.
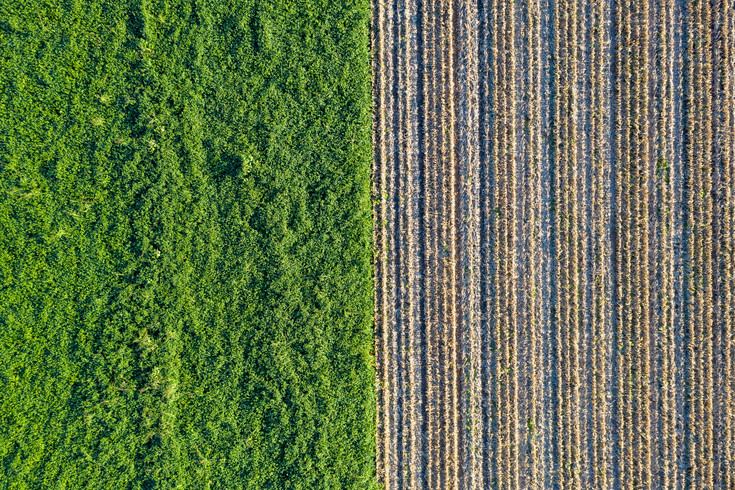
x: 554, y: 240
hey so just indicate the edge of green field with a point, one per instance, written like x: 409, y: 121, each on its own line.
x: 185, y: 245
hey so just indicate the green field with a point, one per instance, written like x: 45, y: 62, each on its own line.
x: 185, y: 244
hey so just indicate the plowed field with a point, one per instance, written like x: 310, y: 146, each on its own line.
x: 553, y: 201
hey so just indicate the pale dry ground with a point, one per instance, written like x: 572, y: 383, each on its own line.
x: 554, y: 243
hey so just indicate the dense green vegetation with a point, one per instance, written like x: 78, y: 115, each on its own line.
x: 185, y: 268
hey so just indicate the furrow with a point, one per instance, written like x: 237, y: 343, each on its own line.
x: 640, y: 160
x: 679, y: 350
x: 404, y: 317
x: 415, y: 345
x: 392, y: 405
x: 729, y: 124
x: 599, y: 155
x: 660, y: 376
x: 380, y: 229
x: 722, y: 246
x: 527, y: 245
x: 700, y: 219
x: 576, y: 183
x: 502, y: 157
x: 709, y: 278
x: 567, y: 216
x: 664, y: 177
x: 467, y: 158
x: 693, y: 425
x: 586, y: 216
x: 726, y: 38
x: 499, y: 319
x: 487, y: 476
x: 443, y: 252
x: 533, y: 189
x: 510, y: 219
x: 433, y: 210
x: 448, y: 326
x: 623, y: 341
x: 560, y: 260
x: 402, y: 274
x: 457, y: 338
x: 548, y: 285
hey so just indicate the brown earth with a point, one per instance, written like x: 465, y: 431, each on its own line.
x: 554, y: 231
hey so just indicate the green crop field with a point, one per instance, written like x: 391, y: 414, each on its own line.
x: 185, y: 244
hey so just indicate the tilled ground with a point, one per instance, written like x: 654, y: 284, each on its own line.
x: 553, y: 189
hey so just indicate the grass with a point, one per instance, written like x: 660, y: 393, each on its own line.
x: 185, y: 257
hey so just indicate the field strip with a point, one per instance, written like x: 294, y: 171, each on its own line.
x: 554, y: 213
